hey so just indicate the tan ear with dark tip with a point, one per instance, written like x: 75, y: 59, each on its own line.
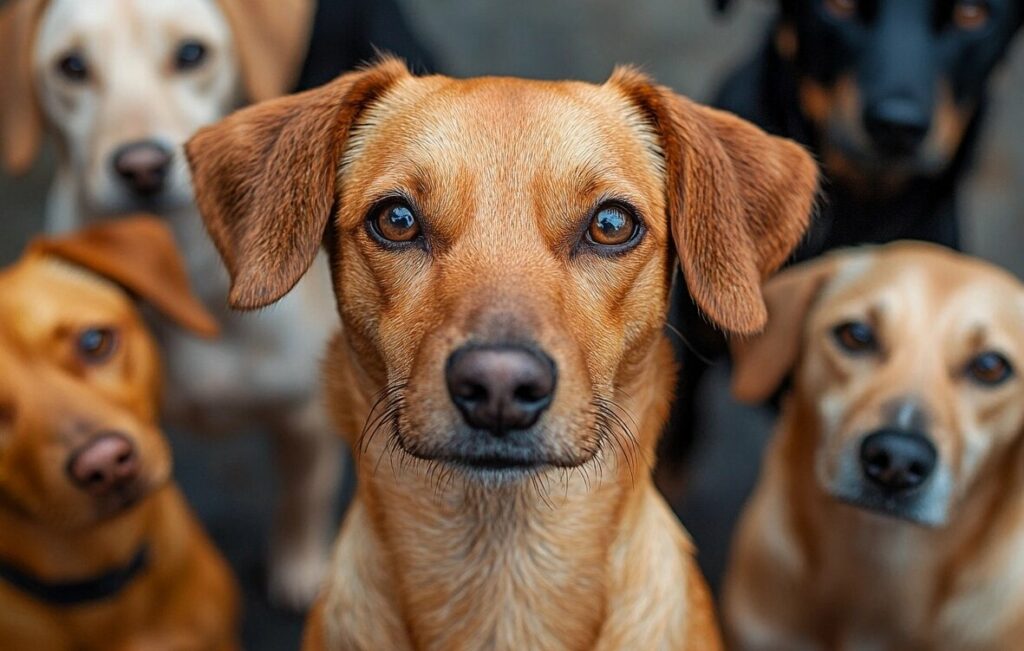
x: 140, y: 254
x: 21, y: 121
x: 761, y: 362
x: 264, y: 180
x: 271, y: 38
x: 739, y: 200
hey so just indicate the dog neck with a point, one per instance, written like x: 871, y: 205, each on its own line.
x: 515, y: 562
x: 88, y: 562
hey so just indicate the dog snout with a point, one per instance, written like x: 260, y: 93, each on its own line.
x: 500, y: 388
x: 897, y: 127
x: 897, y: 461
x: 143, y: 166
x: 105, y: 464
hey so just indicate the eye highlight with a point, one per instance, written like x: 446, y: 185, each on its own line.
x: 96, y: 345
x: 990, y: 369
x: 395, y: 223
x: 855, y: 337
x: 613, y: 227
x: 970, y: 15
x: 72, y: 67
x: 190, y: 55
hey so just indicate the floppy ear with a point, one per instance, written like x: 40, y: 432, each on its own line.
x: 271, y: 37
x: 21, y: 122
x: 738, y: 200
x: 762, y: 362
x: 264, y: 180
x: 138, y: 253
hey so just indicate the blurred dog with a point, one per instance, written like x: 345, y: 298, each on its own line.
x: 121, y: 85
x: 502, y: 254
x: 890, y: 95
x: 889, y: 514
x: 99, y: 550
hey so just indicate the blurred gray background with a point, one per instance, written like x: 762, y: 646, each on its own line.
x: 683, y: 45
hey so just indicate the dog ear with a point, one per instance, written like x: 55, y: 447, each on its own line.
x: 21, y: 121
x: 139, y: 253
x: 762, y: 362
x: 264, y: 180
x: 271, y: 38
x: 738, y: 200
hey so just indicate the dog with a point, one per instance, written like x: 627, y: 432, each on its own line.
x: 890, y: 95
x: 99, y: 549
x: 502, y: 252
x: 121, y: 86
x: 889, y: 513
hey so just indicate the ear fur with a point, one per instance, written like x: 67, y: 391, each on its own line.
x: 264, y: 180
x: 762, y: 362
x: 139, y: 253
x: 271, y: 37
x: 738, y: 200
x: 21, y: 121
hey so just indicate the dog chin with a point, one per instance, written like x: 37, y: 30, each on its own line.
x: 877, y: 165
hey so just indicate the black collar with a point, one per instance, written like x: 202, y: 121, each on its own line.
x: 74, y: 593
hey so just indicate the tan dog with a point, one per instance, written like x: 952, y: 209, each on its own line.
x: 98, y: 550
x: 890, y: 512
x: 502, y: 253
x: 120, y: 85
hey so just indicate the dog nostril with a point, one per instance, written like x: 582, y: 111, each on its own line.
x: 104, y: 464
x: 143, y: 166
x: 500, y: 388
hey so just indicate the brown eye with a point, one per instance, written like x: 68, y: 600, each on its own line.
x: 971, y: 14
x: 613, y: 225
x: 990, y: 369
x: 72, y: 67
x: 855, y: 337
x: 190, y: 54
x: 842, y: 8
x: 96, y: 345
x: 396, y: 222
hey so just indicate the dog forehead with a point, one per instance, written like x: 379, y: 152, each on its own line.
x: 502, y: 122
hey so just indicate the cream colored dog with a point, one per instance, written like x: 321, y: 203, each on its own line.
x: 120, y: 85
x: 890, y: 511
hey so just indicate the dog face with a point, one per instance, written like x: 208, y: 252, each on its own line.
x: 907, y: 356
x: 79, y: 373
x: 891, y: 85
x: 502, y: 249
x: 123, y: 85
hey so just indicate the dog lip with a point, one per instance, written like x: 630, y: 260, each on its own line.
x: 902, y: 508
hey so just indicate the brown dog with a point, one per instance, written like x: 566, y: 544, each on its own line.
x: 98, y: 550
x: 502, y: 254
x: 890, y: 512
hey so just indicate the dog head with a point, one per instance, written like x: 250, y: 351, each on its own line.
x: 79, y: 373
x: 891, y: 85
x: 906, y: 356
x: 502, y: 249
x: 123, y: 84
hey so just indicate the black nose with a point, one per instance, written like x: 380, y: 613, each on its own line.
x: 897, y: 461
x: 500, y: 388
x: 896, y: 128
x: 143, y: 166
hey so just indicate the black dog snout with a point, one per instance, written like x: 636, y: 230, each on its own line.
x: 897, y: 127
x: 897, y: 461
x: 500, y: 388
x: 143, y: 166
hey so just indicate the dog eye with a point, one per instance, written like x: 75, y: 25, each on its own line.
x: 72, y: 67
x: 971, y: 14
x: 395, y: 222
x: 190, y: 54
x: 990, y: 369
x: 613, y: 225
x: 856, y: 337
x: 843, y: 9
x: 96, y: 345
